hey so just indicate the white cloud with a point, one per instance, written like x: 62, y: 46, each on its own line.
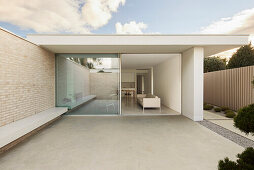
x: 98, y: 12
x: 76, y: 16
x: 130, y: 28
x: 240, y: 23
x: 251, y: 39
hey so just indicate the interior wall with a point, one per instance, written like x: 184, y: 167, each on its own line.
x: 167, y: 82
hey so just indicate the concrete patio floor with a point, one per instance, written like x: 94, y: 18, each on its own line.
x: 121, y: 143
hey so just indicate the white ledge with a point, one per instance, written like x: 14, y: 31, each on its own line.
x: 15, y: 130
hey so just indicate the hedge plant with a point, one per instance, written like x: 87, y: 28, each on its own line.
x: 245, y: 161
x: 217, y: 109
x: 230, y: 114
x: 208, y: 107
x: 226, y: 111
x: 245, y: 119
x: 224, y: 108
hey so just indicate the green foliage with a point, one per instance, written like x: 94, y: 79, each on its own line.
x: 208, y: 107
x: 214, y: 64
x: 89, y: 65
x: 245, y: 161
x: 243, y: 57
x: 245, y: 119
x: 226, y: 111
x: 230, y: 114
x: 226, y: 164
x: 224, y: 108
x: 217, y: 109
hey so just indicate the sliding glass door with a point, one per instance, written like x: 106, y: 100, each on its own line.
x: 88, y: 84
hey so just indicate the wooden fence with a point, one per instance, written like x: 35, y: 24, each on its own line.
x: 231, y: 88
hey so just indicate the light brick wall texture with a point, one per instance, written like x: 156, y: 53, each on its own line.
x: 27, y: 78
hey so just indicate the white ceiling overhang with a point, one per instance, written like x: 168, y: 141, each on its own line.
x: 135, y: 44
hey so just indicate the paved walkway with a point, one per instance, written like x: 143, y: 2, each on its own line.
x: 227, y: 123
x: 209, y: 115
x: 121, y: 143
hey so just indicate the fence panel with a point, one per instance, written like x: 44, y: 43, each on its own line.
x: 231, y: 88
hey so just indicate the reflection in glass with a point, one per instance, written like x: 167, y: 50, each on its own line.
x: 88, y: 83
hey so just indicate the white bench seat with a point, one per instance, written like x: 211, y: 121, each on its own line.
x: 17, y: 129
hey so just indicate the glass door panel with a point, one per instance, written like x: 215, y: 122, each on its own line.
x: 88, y: 84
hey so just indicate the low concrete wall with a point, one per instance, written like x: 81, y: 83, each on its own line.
x: 27, y: 78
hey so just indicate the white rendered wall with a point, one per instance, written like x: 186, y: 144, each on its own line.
x: 192, y: 83
x: 167, y: 82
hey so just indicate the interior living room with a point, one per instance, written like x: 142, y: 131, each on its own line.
x: 151, y: 84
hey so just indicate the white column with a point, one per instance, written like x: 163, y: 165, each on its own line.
x: 192, y: 83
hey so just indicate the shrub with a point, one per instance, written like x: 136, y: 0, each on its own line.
x: 245, y: 119
x: 245, y: 161
x: 208, y: 107
x: 224, y: 108
x: 217, y: 109
x: 214, y: 64
x: 230, y: 114
x: 226, y: 164
x: 225, y: 112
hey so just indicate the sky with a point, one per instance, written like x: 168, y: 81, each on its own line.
x: 127, y: 16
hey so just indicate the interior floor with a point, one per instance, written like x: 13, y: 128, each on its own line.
x: 131, y: 107
x: 110, y: 107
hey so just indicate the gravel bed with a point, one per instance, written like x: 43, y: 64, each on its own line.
x: 238, y: 139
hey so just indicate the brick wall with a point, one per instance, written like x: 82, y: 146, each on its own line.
x: 27, y: 78
x: 103, y: 85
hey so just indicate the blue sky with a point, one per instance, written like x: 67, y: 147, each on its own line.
x: 140, y: 16
x: 175, y: 16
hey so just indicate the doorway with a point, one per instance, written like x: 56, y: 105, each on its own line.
x: 140, y: 84
x: 141, y: 95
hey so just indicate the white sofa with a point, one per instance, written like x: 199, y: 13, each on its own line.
x: 149, y: 101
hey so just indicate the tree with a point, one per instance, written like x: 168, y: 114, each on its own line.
x: 214, y: 64
x: 244, y: 56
